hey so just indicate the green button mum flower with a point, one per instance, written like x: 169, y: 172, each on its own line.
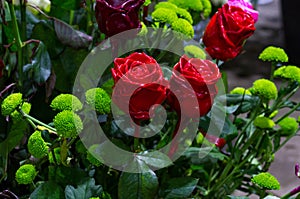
x: 288, y: 72
x: 166, y: 5
x: 26, y: 174
x: 164, y: 15
x: 37, y: 146
x: 66, y: 102
x: 17, y: 116
x: 266, y: 180
x: 68, y: 124
x: 98, y: 98
x: 195, y: 5
x: 240, y: 91
x: 194, y: 51
x: 288, y: 125
x: 90, y: 157
x: 265, y: 89
x: 272, y: 53
x: 10, y: 103
x: 263, y: 123
x: 184, y: 27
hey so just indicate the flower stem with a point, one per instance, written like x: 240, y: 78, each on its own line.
x: 37, y: 121
x: 291, y: 193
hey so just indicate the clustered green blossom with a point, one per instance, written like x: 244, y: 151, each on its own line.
x: 164, y: 15
x: 98, y: 99
x: 67, y: 124
x: 266, y: 180
x: 26, y: 174
x: 265, y: 89
x: 263, y: 123
x: 184, y: 27
x: 273, y: 54
x: 240, y: 91
x: 288, y: 125
x: 17, y: 116
x: 37, y: 146
x: 66, y: 102
x: 147, y: 2
x: 194, y: 51
x: 203, y: 6
x: 184, y: 14
x: 90, y: 157
x: 56, y: 153
x: 288, y: 72
x: 11, y: 103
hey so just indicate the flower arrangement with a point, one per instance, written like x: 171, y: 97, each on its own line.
x: 114, y: 99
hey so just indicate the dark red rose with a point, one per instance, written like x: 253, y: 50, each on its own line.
x: 192, y: 78
x: 226, y: 32
x: 139, y: 84
x: 115, y: 16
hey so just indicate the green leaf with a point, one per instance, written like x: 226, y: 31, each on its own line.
x: 48, y: 190
x: 203, y: 155
x: 178, y: 187
x: 85, y: 190
x: 155, y: 159
x: 5, y: 10
x: 44, y: 31
x: 40, y: 67
x: 71, y: 37
x: 138, y: 185
x: 67, y: 4
x: 66, y: 175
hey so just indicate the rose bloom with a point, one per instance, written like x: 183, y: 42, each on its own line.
x: 139, y: 84
x: 246, y: 6
x: 226, y: 32
x: 115, y: 16
x: 193, y: 78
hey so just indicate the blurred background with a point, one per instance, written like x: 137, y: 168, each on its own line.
x: 278, y: 25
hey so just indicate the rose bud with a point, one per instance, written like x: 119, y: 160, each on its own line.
x: 115, y: 16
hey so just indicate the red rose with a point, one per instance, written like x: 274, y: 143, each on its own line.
x: 115, y: 16
x: 192, y: 78
x: 139, y: 84
x: 226, y: 32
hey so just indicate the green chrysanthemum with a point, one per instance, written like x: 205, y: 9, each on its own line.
x: 66, y: 102
x: 184, y: 27
x: 195, y: 5
x: 266, y: 180
x: 183, y: 13
x: 68, y: 124
x: 240, y: 91
x: 263, y: 123
x: 37, y: 146
x: 273, y: 54
x: 207, y: 8
x: 166, y: 5
x: 16, y: 116
x: 164, y: 15
x: 26, y: 174
x: 265, y: 89
x: 288, y: 72
x: 56, y: 153
x: 194, y: 51
x: 90, y: 157
x: 98, y: 98
x: 10, y: 103
x: 288, y: 125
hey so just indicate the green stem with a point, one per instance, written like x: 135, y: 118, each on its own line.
x: 18, y: 41
x: 37, y: 121
x: 71, y: 17
x: 272, y: 71
x: 288, y: 113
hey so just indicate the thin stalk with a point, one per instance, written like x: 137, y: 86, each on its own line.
x: 37, y: 121
x: 288, y: 113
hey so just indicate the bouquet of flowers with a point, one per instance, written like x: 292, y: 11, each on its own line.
x: 115, y: 99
